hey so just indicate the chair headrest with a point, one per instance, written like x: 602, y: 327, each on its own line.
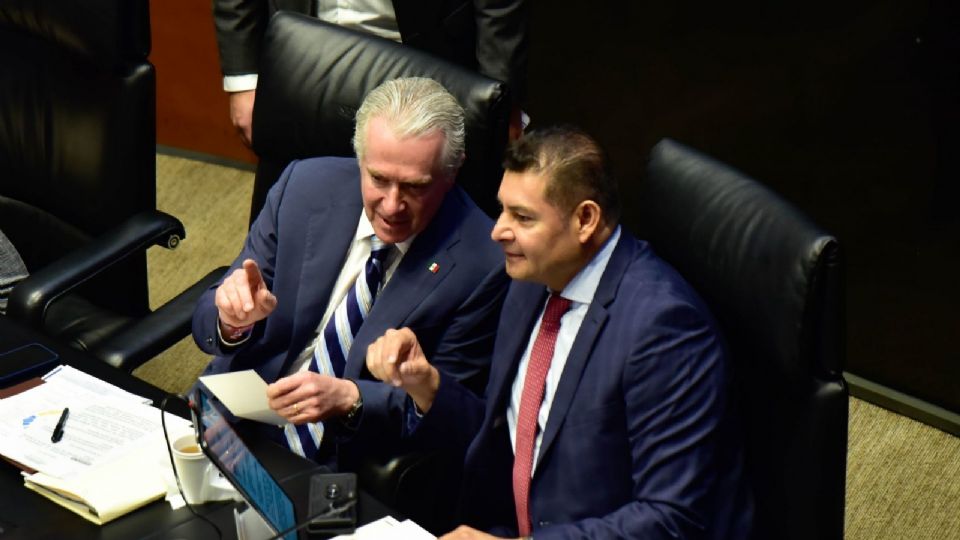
x: 313, y: 76
x: 770, y: 274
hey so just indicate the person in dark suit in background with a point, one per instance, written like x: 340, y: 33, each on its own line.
x: 486, y: 35
x: 606, y: 414
x: 288, y: 307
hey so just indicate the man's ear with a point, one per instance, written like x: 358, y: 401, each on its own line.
x: 587, y: 219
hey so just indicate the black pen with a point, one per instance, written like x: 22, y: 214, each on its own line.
x: 58, y: 431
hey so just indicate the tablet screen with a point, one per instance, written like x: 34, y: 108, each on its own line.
x: 229, y: 454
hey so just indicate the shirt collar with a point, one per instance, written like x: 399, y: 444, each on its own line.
x: 584, y: 285
x: 365, y: 230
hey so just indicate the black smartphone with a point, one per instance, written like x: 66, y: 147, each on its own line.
x: 24, y: 362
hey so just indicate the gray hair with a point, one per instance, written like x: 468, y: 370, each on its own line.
x: 412, y: 107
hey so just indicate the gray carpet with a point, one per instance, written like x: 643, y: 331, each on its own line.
x: 903, y: 477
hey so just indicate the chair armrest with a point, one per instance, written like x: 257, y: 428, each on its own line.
x: 31, y: 297
x: 383, y: 479
x: 152, y: 334
x: 420, y: 485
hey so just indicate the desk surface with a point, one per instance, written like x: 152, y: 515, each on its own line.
x: 25, y: 514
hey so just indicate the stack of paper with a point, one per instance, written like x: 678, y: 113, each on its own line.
x: 106, y: 463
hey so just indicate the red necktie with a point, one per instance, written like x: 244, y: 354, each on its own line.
x: 540, y: 357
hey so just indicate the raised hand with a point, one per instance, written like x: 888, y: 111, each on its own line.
x: 396, y: 358
x: 243, y: 298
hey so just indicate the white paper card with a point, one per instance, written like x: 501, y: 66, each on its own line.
x: 243, y: 393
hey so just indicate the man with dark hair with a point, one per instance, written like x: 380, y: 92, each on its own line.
x: 346, y: 248
x: 606, y: 414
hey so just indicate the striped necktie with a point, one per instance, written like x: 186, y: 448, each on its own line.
x: 333, y: 345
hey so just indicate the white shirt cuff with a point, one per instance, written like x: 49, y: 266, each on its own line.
x: 240, y: 83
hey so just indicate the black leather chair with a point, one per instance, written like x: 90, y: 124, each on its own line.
x: 77, y: 176
x: 313, y: 78
x: 773, y: 280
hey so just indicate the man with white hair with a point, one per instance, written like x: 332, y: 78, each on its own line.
x: 343, y: 250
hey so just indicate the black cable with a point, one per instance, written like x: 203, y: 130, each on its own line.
x: 176, y: 476
x: 330, y: 511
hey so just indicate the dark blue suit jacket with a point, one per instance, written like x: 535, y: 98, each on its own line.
x: 639, y: 442
x: 300, y: 240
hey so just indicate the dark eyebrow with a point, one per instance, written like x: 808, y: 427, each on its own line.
x: 518, y: 209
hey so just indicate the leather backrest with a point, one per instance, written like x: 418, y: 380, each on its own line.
x: 773, y: 280
x: 77, y: 124
x: 77, y: 100
x: 313, y: 77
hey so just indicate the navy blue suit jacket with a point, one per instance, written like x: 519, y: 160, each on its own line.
x: 639, y: 442
x: 300, y: 240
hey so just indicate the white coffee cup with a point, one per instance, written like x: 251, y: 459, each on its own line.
x: 193, y: 468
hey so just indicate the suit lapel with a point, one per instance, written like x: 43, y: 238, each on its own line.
x: 325, y: 247
x: 516, y: 320
x: 414, y: 279
x: 410, y: 284
x: 519, y: 314
x: 583, y: 345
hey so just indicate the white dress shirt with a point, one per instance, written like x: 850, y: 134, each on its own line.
x: 375, y: 17
x: 580, y: 291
